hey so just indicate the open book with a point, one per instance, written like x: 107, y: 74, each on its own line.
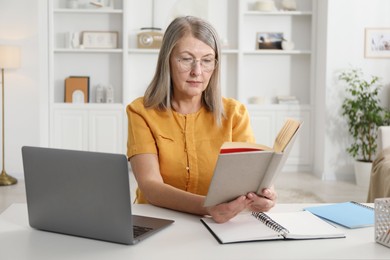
x: 247, y: 167
x: 258, y: 226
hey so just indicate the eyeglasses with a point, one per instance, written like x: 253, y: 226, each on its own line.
x: 206, y: 64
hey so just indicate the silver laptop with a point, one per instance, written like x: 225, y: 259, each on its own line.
x: 84, y: 194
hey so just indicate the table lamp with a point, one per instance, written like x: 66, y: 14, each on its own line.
x: 9, y: 59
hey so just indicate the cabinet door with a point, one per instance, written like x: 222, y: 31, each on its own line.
x: 263, y: 125
x: 70, y: 129
x: 105, y: 131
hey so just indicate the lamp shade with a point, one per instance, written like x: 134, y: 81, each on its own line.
x: 9, y: 57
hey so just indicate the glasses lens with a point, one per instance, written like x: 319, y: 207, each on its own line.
x: 207, y: 64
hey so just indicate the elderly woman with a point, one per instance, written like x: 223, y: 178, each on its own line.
x: 177, y: 128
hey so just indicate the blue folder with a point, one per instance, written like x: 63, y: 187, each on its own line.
x: 348, y: 214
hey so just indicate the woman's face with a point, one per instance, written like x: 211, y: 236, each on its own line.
x: 192, y: 64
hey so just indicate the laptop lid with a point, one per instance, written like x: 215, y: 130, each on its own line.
x: 83, y: 194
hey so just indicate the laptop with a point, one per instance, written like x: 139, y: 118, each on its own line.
x: 85, y: 194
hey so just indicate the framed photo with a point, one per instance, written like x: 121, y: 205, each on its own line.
x: 100, y: 40
x: 269, y: 40
x: 77, y: 89
x: 377, y: 43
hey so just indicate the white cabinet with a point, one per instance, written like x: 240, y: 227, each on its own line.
x: 70, y: 129
x: 105, y: 130
x: 93, y: 128
x: 266, y: 124
x: 300, y: 157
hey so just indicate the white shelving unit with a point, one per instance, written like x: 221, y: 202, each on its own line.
x: 265, y: 74
x: 246, y: 71
x: 90, y: 126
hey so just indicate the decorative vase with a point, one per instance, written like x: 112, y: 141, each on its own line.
x: 287, y: 45
x: 265, y: 6
x: 289, y: 5
x: 363, y: 173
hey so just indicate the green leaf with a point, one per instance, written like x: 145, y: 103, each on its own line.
x: 363, y: 112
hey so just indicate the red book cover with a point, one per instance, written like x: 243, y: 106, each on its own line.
x: 239, y: 150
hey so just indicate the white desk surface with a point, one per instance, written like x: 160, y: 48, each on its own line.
x: 186, y: 239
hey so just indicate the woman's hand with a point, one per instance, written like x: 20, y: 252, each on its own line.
x: 225, y: 211
x: 262, y: 202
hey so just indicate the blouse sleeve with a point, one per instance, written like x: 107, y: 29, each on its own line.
x: 241, y: 127
x: 140, y: 138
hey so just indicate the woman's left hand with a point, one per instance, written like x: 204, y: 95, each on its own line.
x: 262, y: 202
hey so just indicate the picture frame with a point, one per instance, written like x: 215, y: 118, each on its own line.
x: 100, y: 39
x: 377, y: 43
x: 269, y: 40
x: 77, y: 89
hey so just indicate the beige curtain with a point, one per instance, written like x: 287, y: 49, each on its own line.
x: 380, y: 176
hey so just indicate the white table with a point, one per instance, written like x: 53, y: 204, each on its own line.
x: 186, y: 239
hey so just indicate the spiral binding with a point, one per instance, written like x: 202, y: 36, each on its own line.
x: 362, y: 205
x: 269, y: 222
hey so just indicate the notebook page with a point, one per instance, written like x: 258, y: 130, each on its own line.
x: 243, y: 227
x: 303, y: 224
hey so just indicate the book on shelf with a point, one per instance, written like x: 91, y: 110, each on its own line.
x: 247, y: 167
x: 77, y: 89
x: 348, y: 214
x: 287, y: 100
x: 260, y: 226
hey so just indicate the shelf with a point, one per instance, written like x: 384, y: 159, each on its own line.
x: 88, y: 11
x: 104, y: 106
x: 276, y: 52
x: 275, y: 107
x: 156, y: 51
x: 281, y: 13
x: 229, y: 51
x: 63, y: 50
x: 144, y: 51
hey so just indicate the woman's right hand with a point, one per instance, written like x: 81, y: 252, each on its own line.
x: 225, y: 211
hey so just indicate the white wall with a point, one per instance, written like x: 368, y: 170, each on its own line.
x: 19, y: 25
x: 347, y: 21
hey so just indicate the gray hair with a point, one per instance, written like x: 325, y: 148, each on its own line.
x: 159, y: 92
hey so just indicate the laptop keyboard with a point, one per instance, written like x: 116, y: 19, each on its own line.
x: 139, y: 230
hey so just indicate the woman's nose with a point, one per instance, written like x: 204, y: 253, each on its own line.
x: 196, y: 68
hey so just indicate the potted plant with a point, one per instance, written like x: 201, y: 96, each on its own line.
x: 364, y: 113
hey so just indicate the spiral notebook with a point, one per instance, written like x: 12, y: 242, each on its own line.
x: 348, y: 214
x: 258, y: 226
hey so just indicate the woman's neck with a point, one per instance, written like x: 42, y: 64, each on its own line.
x: 186, y: 106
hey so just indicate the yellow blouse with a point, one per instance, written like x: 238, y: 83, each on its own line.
x: 187, y: 145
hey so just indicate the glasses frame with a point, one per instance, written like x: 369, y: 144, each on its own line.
x: 179, y: 59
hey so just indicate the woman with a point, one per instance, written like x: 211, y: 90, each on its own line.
x: 178, y: 127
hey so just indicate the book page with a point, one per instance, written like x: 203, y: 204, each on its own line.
x: 285, y: 134
x: 244, y: 227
